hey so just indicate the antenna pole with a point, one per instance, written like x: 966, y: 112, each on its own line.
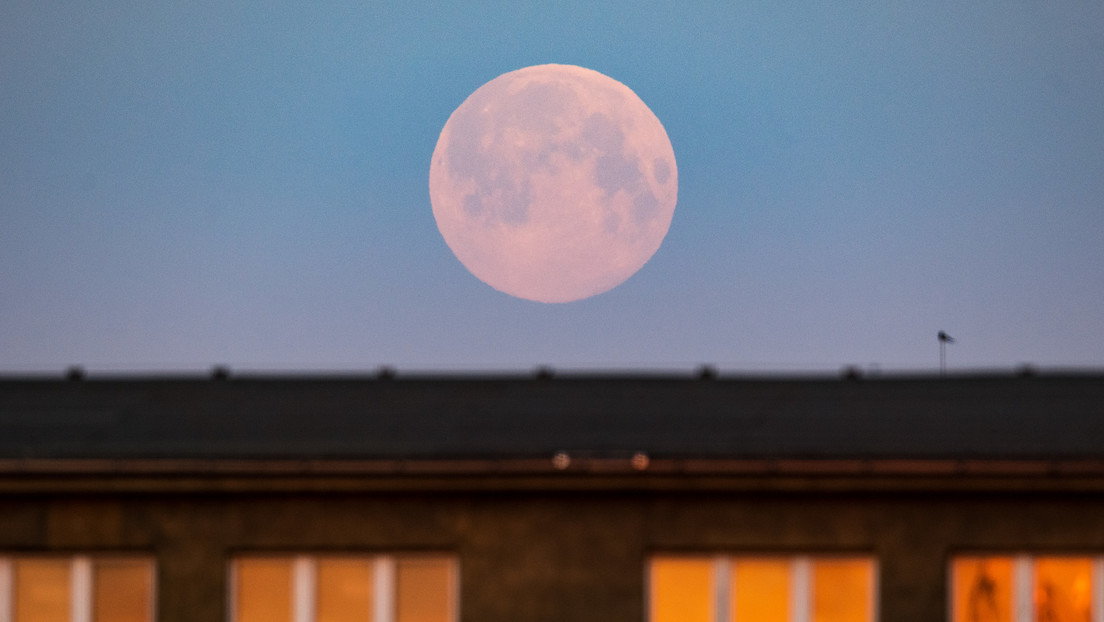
x: 942, y: 357
x: 944, y: 339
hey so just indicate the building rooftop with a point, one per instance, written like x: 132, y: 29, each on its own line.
x: 575, y: 417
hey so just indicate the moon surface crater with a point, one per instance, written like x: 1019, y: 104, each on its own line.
x: 553, y: 183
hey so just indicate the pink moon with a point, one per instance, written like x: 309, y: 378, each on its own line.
x: 553, y: 183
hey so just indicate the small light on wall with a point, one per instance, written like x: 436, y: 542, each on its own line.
x: 561, y: 461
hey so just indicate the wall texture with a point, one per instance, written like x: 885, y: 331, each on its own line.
x: 553, y: 555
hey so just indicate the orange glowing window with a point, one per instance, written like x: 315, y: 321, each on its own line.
x: 345, y: 588
x: 424, y: 590
x: 122, y: 590
x: 262, y: 589
x: 761, y: 589
x: 1022, y: 588
x: 1063, y: 588
x: 982, y: 589
x: 76, y: 589
x: 681, y: 590
x: 843, y: 590
x: 42, y: 590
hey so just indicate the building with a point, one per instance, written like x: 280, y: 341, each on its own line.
x: 552, y: 497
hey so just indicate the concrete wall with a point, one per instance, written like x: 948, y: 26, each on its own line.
x: 555, y: 555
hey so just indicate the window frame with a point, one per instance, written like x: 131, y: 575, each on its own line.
x: 81, y: 581
x: 800, y: 574
x: 1022, y: 607
x: 304, y: 581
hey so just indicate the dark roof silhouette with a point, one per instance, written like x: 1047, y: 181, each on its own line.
x: 989, y: 417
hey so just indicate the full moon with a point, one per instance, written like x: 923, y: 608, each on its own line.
x: 553, y: 183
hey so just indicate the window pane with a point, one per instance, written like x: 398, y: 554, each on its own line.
x: 842, y: 590
x: 1063, y: 589
x: 424, y: 590
x: 760, y: 590
x: 41, y: 590
x: 122, y: 590
x: 982, y: 589
x: 262, y: 590
x: 344, y: 590
x: 681, y: 590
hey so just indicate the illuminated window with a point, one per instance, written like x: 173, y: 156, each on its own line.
x: 1024, y: 588
x: 343, y: 588
x: 76, y: 589
x: 761, y: 589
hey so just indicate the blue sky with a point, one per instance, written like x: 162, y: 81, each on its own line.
x: 191, y: 184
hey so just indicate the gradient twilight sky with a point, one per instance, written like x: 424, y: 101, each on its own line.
x: 184, y: 184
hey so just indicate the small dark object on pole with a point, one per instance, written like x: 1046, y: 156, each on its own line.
x: 944, y: 339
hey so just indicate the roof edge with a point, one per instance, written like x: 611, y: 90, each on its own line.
x: 559, y: 464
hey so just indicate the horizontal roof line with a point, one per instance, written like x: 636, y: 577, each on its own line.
x: 558, y: 465
x: 544, y: 373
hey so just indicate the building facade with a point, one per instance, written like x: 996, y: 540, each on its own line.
x: 587, y: 498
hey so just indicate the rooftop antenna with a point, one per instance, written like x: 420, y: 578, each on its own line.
x: 944, y: 339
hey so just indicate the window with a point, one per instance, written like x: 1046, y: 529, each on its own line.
x: 1025, y: 588
x: 343, y: 588
x: 76, y: 589
x: 761, y: 589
